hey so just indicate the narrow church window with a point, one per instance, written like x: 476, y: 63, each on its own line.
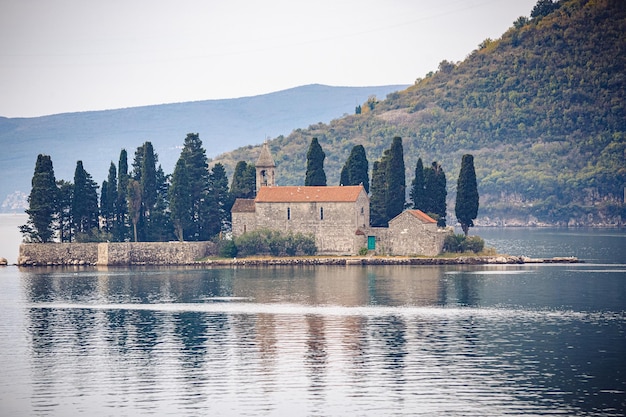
x: 321, y: 213
x: 288, y: 213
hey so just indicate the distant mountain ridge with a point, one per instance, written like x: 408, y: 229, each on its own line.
x: 96, y: 137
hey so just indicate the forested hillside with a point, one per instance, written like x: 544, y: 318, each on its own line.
x: 542, y: 109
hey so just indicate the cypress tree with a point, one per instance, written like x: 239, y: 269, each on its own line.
x: 144, y: 172
x: 467, y: 200
x: 417, y: 187
x: 84, y: 204
x: 315, y: 175
x: 42, y: 200
x: 378, y: 215
x: 64, y: 210
x: 108, y: 199
x: 396, y: 180
x: 181, y: 204
x: 435, y: 192
x: 104, y: 195
x: 344, y: 176
x: 429, y: 191
x: 161, y: 229
x: 442, y: 194
x: 219, y: 203
x: 121, y: 205
x: 148, y: 177
x: 250, y: 180
x: 134, y: 204
x: 355, y: 170
x: 244, y: 181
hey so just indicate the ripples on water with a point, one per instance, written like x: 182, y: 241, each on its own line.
x: 314, y: 341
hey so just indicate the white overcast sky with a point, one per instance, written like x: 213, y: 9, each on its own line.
x: 76, y: 55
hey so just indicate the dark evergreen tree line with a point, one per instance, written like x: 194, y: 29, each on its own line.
x: 194, y: 202
x: 141, y: 205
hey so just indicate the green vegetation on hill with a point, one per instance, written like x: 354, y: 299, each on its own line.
x: 542, y: 109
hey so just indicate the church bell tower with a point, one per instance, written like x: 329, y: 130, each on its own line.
x: 265, y: 168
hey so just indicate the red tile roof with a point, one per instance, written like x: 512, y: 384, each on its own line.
x: 299, y: 194
x: 422, y: 216
x: 243, y: 205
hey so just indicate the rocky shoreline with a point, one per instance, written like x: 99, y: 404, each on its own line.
x: 461, y: 260
x: 345, y: 260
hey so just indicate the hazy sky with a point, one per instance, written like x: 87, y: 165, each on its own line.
x: 74, y: 55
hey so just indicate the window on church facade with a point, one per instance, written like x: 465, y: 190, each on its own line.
x: 288, y: 213
x: 321, y: 213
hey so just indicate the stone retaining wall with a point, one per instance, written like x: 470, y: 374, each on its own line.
x: 114, y: 253
x: 190, y: 253
x: 392, y: 260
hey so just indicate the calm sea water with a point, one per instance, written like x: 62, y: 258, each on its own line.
x: 316, y: 341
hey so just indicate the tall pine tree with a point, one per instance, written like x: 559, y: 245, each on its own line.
x: 134, y: 205
x: 196, y: 170
x: 41, y: 202
x: 84, y: 204
x: 149, y: 177
x: 104, y: 195
x: 378, y: 212
x: 396, y: 180
x: 218, y: 203
x: 161, y: 228
x: 417, y: 187
x: 435, y: 192
x: 388, y: 185
x: 64, y: 210
x: 243, y: 184
x: 181, y: 202
x: 356, y: 169
x: 108, y: 199
x: 144, y: 172
x: 315, y: 175
x: 466, y: 206
x: 121, y: 231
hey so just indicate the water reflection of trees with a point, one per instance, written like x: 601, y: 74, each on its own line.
x: 316, y: 357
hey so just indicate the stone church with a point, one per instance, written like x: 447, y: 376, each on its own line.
x: 338, y: 217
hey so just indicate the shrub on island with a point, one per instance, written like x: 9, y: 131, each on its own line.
x: 459, y: 243
x: 269, y: 242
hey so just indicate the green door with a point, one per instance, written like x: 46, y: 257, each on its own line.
x: 371, y: 242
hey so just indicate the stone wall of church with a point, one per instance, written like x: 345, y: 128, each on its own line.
x: 409, y: 236
x: 406, y: 236
x: 243, y: 222
x: 333, y: 224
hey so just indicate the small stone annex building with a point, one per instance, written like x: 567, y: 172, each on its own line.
x: 338, y: 217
